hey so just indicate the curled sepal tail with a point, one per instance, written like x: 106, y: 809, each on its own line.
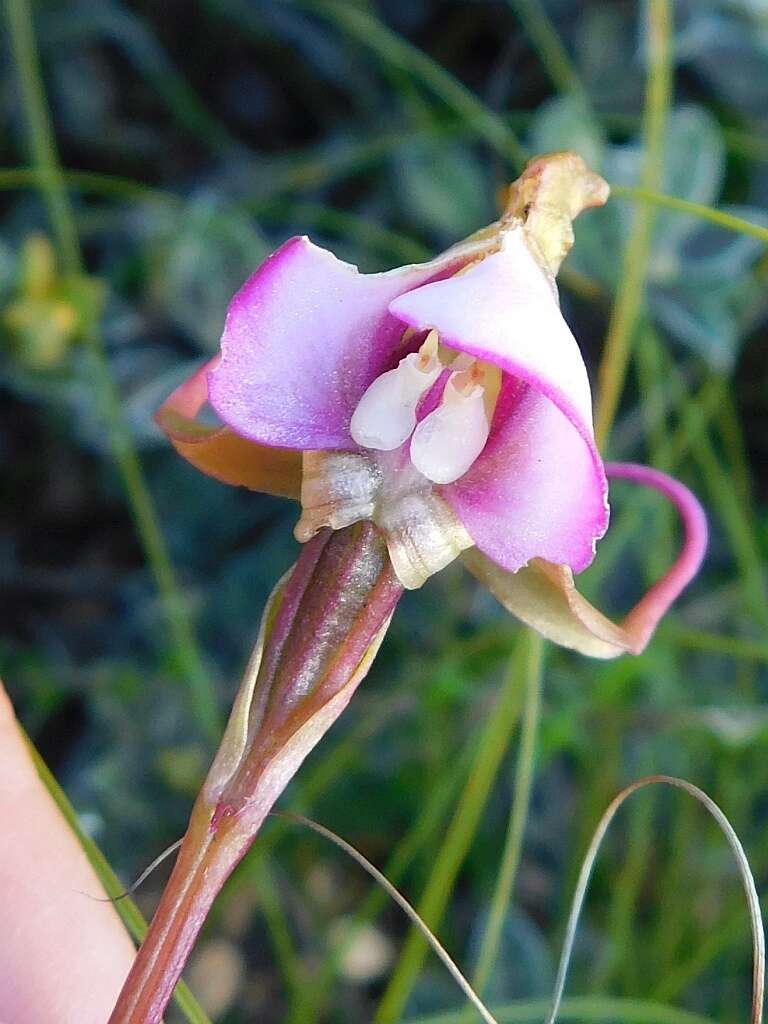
x: 544, y: 595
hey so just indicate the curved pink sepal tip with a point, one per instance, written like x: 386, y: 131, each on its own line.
x: 544, y: 595
x: 641, y: 622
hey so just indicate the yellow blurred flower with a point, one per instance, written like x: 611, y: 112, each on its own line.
x: 51, y: 311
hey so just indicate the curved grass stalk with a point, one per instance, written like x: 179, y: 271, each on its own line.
x: 118, y: 187
x: 590, y: 1008
x: 617, y: 968
x: 403, y: 903
x: 582, y: 1009
x: 307, y: 789
x: 613, y: 365
x: 142, y: 877
x: 549, y: 46
x: 309, y: 1008
x: 53, y: 186
x: 753, y: 901
x: 311, y: 1004
x: 492, y: 747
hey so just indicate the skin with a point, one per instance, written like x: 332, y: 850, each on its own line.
x: 63, y: 956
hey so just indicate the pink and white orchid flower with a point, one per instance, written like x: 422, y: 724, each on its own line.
x: 447, y: 402
x: 448, y: 405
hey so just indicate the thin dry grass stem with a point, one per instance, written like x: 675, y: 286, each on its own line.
x: 142, y: 877
x: 403, y: 903
x: 753, y: 901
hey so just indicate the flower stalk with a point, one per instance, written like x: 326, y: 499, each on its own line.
x: 321, y: 630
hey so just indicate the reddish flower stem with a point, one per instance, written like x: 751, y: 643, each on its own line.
x: 205, y: 861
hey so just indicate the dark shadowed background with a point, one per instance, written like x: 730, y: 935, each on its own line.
x: 194, y: 139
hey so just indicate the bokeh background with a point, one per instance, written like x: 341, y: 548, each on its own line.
x: 193, y: 139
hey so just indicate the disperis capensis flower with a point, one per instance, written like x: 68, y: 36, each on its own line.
x: 447, y: 402
x: 429, y: 413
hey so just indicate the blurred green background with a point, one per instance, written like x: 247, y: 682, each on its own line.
x: 187, y: 141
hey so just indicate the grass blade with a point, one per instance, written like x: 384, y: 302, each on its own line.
x: 403, y: 903
x: 43, y: 147
x: 626, y: 309
x: 130, y: 914
x: 748, y: 882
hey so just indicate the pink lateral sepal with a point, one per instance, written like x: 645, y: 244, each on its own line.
x: 304, y: 338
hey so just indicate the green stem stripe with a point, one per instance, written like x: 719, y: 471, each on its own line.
x: 629, y: 297
x: 130, y: 914
x: 524, y: 773
x: 401, y: 55
x: 40, y: 133
x: 311, y: 1003
x: 492, y: 747
x: 729, y: 221
x: 549, y: 46
x: 50, y: 178
x: 716, y: 643
x: 117, y: 187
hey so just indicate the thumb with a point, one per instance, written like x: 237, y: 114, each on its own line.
x: 63, y: 956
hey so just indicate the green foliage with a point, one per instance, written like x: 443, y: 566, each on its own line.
x: 385, y: 131
x: 703, y: 288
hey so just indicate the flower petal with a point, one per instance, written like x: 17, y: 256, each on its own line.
x: 544, y: 596
x: 221, y: 453
x: 304, y: 338
x: 538, y: 489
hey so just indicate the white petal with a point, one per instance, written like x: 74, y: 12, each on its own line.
x: 386, y: 414
x: 447, y: 442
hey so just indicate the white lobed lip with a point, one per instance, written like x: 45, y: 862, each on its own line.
x: 386, y: 414
x: 447, y: 441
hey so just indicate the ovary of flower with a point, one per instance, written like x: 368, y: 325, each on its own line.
x: 450, y: 438
x: 386, y: 414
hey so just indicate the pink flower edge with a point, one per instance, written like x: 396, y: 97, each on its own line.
x: 220, y: 452
x: 304, y: 337
x: 641, y: 622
